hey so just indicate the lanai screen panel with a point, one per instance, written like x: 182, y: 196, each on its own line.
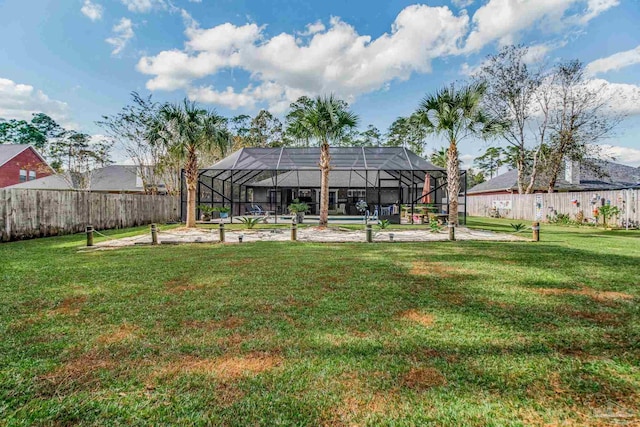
x: 342, y: 158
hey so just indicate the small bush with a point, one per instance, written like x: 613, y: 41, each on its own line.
x: 251, y: 221
x: 383, y: 224
x: 559, y: 218
x: 518, y: 227
x: 434, y: 226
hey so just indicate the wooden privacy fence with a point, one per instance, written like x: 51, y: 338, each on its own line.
x: 536, y: 207
x: 26, y: 214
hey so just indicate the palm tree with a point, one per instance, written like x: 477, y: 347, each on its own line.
x: 326, y: 120
x: 456, y: 114
x: 186, y: 131
x: 439, y: 157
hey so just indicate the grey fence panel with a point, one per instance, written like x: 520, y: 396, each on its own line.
x: 537, y: 206
x: 26, y: 214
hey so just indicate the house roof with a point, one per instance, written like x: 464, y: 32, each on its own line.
x: 342, y: 158
x: 9, y: 151
x: 612, y: 176
x: 113, y: 178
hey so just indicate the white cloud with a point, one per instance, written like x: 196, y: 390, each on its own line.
x: 144, y: 6
x: 623, y: 98
x: 122, y: 33
x: 614, y: 62
x: 462, y: 3
x: 596, y: 7
x: 504, y: 20
x: 316, y: 27
x: 228, y: 98
x: 20, y: 101
x: 335, y: 59
x: 91, y: 10
x: 625, y: 155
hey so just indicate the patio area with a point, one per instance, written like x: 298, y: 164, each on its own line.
x: 306, y: 234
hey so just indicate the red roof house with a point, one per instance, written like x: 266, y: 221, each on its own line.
x: 21, y: 163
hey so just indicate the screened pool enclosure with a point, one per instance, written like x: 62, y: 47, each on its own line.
x: 390, y: 181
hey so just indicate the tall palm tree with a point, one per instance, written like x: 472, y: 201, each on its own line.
x: 325, y: 120
x: 187, y: 130
x: 455, y: 114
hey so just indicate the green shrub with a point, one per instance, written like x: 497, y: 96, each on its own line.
x: 251, y: 221
x: 384, y: 224
x: 518, y: 227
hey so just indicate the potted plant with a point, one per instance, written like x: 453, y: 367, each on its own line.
x: 298, y: 209
x: 206, y: 212
x: 224, y: 211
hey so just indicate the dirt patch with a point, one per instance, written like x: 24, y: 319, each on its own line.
x: 222, y: 367
x: 69, y: 306
x: 82, y: 372
x: 418, y: 317
x: 122, y: 333
x: 600, y: 296
x: 440, y: 269
x: 180, y: 285
x: 228, y: 393
x: 596, y: 317
x: 423, y: 379
x: 360, y: 400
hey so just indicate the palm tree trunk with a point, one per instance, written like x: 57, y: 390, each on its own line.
x: 191, y: 175
x: 453, y: 181
x: 325, y: 162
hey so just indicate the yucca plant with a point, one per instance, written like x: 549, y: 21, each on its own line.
x: 384, y: 224
x: 518, y: 227
x: 251, y: 221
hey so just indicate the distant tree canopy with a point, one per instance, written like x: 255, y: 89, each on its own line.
x: 64, y: 149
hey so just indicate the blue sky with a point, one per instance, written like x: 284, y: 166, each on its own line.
x: 79, y: 59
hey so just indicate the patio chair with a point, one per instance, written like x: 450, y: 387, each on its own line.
x: 254, y: 210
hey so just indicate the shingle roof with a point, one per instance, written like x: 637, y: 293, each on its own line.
x: 342, y: 158
x: 614, y: 176
x: 9, y: 151
x: 113, y: 178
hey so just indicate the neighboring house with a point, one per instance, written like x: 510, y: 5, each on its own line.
x: 109, y: 179
x: 21, y: 163
x: 573, y: 177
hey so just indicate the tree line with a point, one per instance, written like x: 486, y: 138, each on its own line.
x: 537, y: 116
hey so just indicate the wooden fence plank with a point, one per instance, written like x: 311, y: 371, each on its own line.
x: 38, y: 213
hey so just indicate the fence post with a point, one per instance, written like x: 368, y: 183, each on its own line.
x: 154, y: 234
x: 452, y: 231
x: 369, y: 233
x: 222, y: 232
x: 294, y: 232
x: 536, y: 231
x: 89, y: 235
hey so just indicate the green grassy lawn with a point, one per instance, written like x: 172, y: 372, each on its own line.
x: 281, y: 333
